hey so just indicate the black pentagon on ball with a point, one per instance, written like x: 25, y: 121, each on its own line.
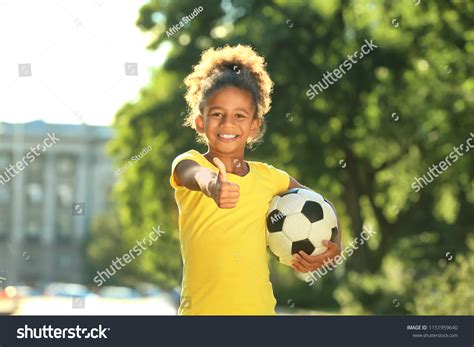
x: 291, y: 191
x: 275, y: 221
x: 313, y: 211
x: 303, y: 245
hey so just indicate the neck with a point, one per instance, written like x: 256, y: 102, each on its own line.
x: 234, y: 162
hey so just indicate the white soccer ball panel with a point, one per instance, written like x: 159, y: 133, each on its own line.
x: 290, y: 204
x: 296, y: 227
x: 329, y: 214
x: 310, y: 195
x: 319, y: 250
x: 319, y: 232
x: 279, y: 244
x: 273, y: 203
x: 286, y: 260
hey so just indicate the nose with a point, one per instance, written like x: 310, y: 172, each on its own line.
x: 227, y: 120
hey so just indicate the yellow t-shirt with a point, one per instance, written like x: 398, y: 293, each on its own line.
x: 224, y: 250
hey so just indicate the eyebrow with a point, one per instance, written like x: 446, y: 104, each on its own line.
x: 241, y: 109
x: 222, y: 108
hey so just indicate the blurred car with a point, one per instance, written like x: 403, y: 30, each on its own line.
x: 59, y: 289
x: 117, y: 292
x: 153, y: 291
x: 9, y: 300
x: 176, y: 295
x: 27, y: 291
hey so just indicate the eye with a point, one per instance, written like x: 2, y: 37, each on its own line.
x: 216, y: 114
x: 240, y: 115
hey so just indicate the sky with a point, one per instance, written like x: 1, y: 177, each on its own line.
x: 71, y: 61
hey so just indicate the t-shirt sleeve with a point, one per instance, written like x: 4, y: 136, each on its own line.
x: 280, y: 178
x: 189, y: 155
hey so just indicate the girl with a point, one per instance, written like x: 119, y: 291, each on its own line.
x: 222, y: 198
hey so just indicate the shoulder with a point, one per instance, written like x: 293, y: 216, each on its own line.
x: 188, y: 155
x: 279, y: 179
x: 261, y: 165
x: 264, y: 168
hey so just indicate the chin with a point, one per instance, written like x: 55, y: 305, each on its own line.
x: 227, y: 147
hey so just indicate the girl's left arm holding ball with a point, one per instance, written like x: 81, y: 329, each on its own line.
x: 303, y: 262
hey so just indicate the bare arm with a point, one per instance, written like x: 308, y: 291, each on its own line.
x: 193, y: 176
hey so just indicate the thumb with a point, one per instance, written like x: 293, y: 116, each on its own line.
x: 222, y: 172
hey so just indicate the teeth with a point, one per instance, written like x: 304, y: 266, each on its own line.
x: 227, y: 136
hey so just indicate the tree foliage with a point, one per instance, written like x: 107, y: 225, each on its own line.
x: 360, y: 142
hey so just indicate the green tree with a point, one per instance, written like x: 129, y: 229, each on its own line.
x: 397, y: 111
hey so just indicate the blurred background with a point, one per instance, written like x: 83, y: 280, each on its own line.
x: 107, y: 79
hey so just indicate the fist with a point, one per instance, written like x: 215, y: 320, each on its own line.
x: 225, y: 194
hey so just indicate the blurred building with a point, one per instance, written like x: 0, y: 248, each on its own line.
x: 46, y: 208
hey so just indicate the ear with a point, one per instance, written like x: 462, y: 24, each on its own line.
x: 199, y: 121
x: 255, y: 126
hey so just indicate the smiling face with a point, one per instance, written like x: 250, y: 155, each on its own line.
x: 228, y: 121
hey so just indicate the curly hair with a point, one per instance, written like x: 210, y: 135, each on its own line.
x: 238, y: 66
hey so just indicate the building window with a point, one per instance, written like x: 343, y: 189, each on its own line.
x: 6, y: 199
x: 5, y: 159
x: 64, y: 262
x: 5, y: 221
x: 34, y: 199
x: 66, y: 168
x: 35, y: 193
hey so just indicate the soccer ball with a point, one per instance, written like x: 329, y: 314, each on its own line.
x: 299, y: 220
